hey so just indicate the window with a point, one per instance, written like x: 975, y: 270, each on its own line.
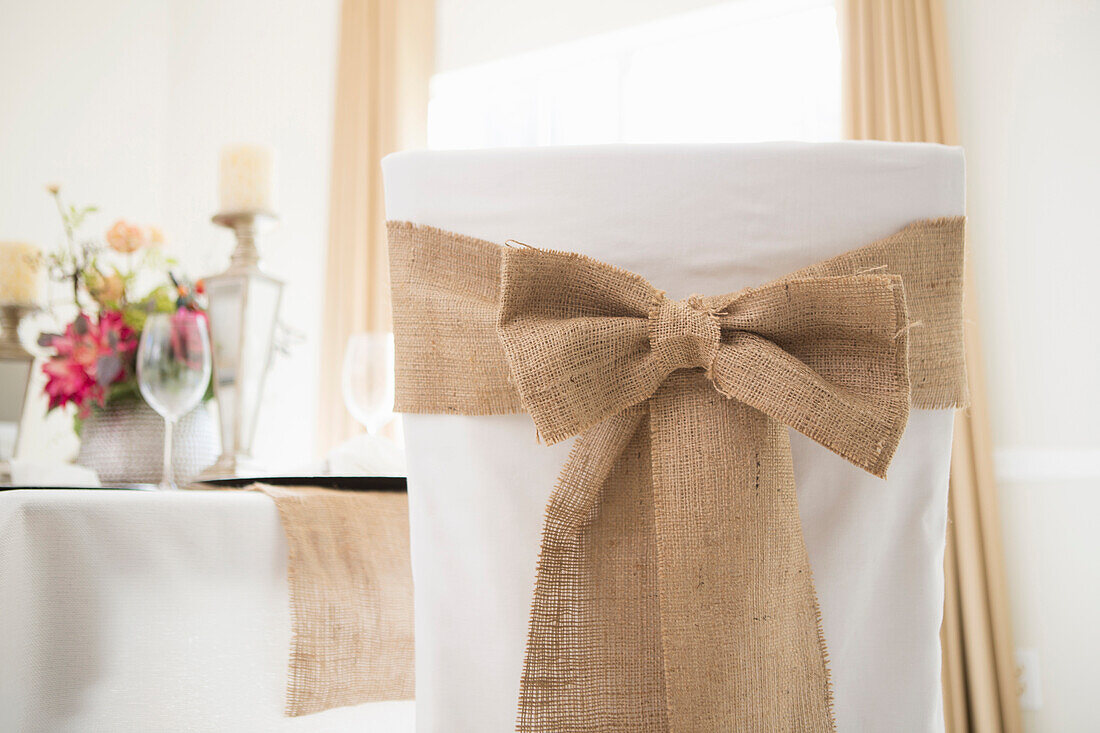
x: 738, y: 72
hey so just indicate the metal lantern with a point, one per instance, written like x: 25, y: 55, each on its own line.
x: 243, y: 306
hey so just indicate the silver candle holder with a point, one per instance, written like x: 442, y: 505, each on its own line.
x: 243, y: 307
x: 15, y: 372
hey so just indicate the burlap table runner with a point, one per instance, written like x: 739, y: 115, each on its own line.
x: 673, y: 589
x: 351, y: 598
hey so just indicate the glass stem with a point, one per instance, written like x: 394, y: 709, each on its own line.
x: 169, y: 480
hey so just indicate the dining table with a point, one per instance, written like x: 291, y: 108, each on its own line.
x: 142, y: 610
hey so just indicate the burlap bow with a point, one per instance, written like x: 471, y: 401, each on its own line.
x: 673, y: 590
x: 826, y: 356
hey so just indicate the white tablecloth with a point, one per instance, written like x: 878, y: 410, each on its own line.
x: 691, y: 219
x: 150, y: 611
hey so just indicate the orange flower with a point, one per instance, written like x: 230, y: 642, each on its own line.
x: 126, y: 237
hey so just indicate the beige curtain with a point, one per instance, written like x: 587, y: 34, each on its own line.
x: 385, y: 60
x: 897, y: 86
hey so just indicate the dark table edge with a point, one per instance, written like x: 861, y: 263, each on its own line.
x: 342, y: 483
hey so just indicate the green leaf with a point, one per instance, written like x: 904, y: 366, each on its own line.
x: 127, y: 389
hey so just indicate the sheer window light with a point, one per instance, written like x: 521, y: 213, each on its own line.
x: 738, y: 72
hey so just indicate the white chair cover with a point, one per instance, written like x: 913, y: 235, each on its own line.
x: 690, y: 219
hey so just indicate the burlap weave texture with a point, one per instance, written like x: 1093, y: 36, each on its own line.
x: 351, y: 599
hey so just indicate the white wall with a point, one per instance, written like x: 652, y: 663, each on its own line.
x: 126, y: 102
x: 82, y: 101
x: 1027, y: 80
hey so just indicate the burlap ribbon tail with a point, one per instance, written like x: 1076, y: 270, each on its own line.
x: 673, y: 589
x: 351, y: 596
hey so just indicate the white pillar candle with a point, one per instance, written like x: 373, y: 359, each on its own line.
x: 20, y: 268
x: 246, y: 180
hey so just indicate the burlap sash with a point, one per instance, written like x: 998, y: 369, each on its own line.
x: 673, y: 589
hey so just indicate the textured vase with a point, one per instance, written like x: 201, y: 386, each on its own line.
x: 124, y: 443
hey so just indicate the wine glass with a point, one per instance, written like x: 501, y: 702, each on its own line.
x: 173, y: 369
x: 368, y: 379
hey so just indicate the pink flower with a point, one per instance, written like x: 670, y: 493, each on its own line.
x: 127, y: 237
x: 188, y: 343
x: 89, y: 357
x: 67, y: 381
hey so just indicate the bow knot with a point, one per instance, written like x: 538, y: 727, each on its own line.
x: 827, y: 356
x: 684, y: 333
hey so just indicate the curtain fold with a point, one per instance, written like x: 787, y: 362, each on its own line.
x: 386, y: 55
x: 897, y: 87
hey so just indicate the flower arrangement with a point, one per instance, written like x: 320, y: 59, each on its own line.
x: 91, y: 362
